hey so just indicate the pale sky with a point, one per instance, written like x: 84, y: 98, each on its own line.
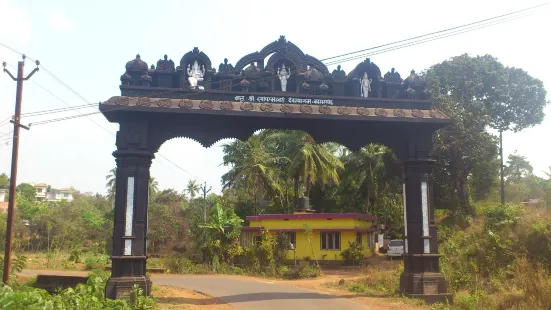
x: 87, y: 46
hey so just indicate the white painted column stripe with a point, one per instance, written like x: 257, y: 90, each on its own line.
x: 425, y: 210
x: 405, y: 217
x: 129, y: 216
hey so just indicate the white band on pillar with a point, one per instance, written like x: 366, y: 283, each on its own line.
x: 129, y: 216
x: 425, y: 210
x: 405, y: 218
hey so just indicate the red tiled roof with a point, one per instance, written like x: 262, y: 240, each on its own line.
x: 311, y: 216
x: 249, y: 228
x: 3, y: 206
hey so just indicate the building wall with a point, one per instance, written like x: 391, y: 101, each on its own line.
x: 303, y: 248
x: 41, y: 194
x: 314, y: 251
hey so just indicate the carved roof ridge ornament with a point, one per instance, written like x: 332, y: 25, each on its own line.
x: 136, y: 65
x: 226, y: 68
x: 165, y: 65
x: 195, y: 55
x: 283, y: 48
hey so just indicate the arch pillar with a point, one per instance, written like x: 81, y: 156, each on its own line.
x: 421, y: 277
x: 130, y: 215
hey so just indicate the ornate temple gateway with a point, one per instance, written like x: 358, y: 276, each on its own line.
x: 279, y: 87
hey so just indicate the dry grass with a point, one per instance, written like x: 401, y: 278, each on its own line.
x: 171, y: 298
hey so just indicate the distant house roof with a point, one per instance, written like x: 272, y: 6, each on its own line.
x: 40, y: 185
x: 359, y: 216
x: 3, y: 206
x: 249, y: 228
x: 65, y: 190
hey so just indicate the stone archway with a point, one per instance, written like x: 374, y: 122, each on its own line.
x: 149, y: 115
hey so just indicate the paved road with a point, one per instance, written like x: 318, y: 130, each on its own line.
x: 245, y: 294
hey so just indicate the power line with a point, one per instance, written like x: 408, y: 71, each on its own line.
x: 86, y: 115
x: 468, y: 26
x: 417, y: 42
x: 462, y: 29
x: 436, y: 32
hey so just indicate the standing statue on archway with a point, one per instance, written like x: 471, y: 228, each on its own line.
x: 195, y: 75
x: 366, y: 85
x: 283, y: 76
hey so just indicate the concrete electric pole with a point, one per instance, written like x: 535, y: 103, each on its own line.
x: 15, y: 153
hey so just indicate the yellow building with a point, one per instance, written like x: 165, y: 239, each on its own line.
x: 331, y: 233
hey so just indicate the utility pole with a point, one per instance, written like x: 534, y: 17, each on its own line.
x: 502, y: 191
x: 205, y: 192
x: 14, y: 155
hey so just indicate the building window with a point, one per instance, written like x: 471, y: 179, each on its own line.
x: 330, y: 240
x: 291, y: 236
x: 359, y: 238
x: 39, y: 190
x: 66, y: 195
x: 258, y: 239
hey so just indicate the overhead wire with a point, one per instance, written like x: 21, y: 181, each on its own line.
x: 88, y: 114
x: 444, y: 34
x: 425, y: 40
x: 437, y: 32
x: 463, y: 29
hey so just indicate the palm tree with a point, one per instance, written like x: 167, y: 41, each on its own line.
x: 111, y: 185
x: 192, y: 188
x: 548, y: 173
x: 153, y: 186
x: 254, y: 168
x: 370, y: 167
x: 310, y: 162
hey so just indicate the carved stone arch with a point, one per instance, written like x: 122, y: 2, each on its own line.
x: 291, y: 62
x: 314, y: 62
x: 366, y: 66
x: 282, y: 46
x: 247, y: 59
x: 190, y: 57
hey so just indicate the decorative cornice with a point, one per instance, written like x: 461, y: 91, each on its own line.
x: 226, y: 106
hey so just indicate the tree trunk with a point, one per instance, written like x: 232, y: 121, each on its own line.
x: 296, y: 189
x: 308, y: 180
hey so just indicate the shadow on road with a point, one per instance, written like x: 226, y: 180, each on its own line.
x: 189, y: 301
x: 273, y: 295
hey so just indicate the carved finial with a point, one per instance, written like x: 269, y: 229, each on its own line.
x: 225, y: 61
x: 392, y: 70
x: 138, y: 56
x: 339, y: 68
x: 195, y: 50
x: 412, y: 72
x: 152, y: 67
x: 282, y: 38
x: 166, y: 57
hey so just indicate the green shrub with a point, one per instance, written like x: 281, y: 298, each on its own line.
x: 88, y: 296
x: 18, y: 263
x: 354, y: 255
x: 75, y: 255
x: 184, y: 265
x: 96, y: 262
x: 302, y: 271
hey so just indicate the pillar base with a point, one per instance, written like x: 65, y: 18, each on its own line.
x: 429, y: 286
x: 120, y: 287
